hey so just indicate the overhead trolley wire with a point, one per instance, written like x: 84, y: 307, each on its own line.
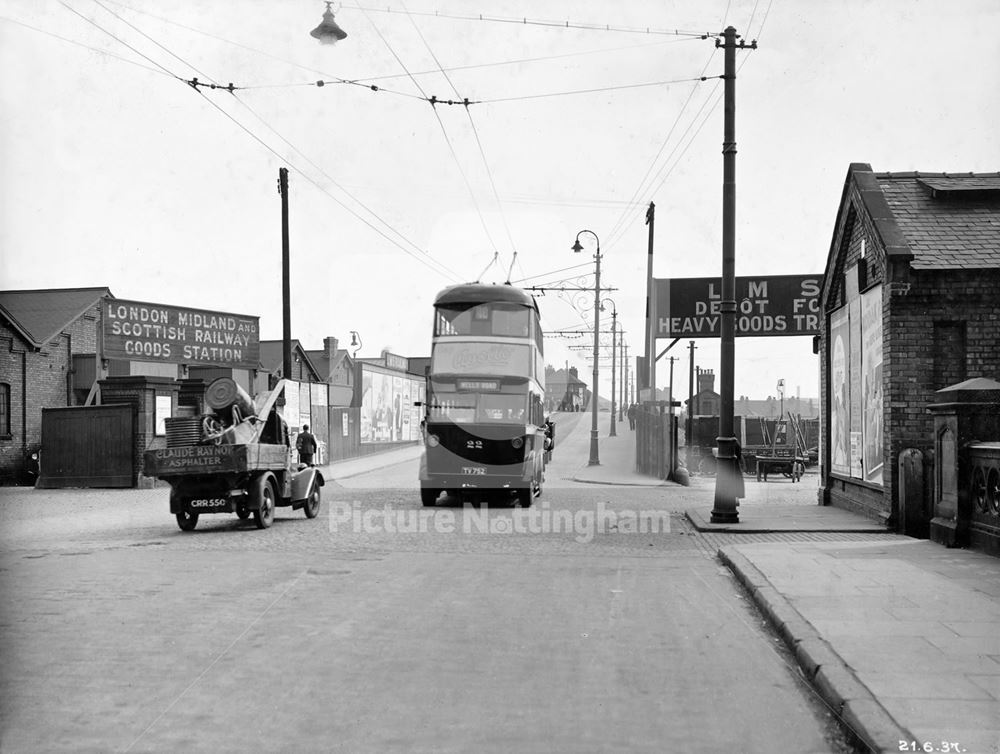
x: 524, y: 21
x: 120, y: 41
x: 149, y: 38
x: 444, y: 131
x: 158, y: 70
x: 426, y: 259
x: 475, y: 133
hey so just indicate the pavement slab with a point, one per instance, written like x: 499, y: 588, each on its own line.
x: 911, y: 655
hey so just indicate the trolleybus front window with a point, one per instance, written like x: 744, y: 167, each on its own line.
x: 483, y: 319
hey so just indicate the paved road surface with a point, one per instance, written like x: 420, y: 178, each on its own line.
x: 122, y: 633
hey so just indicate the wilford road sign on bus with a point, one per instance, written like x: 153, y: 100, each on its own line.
x: 767, y: 305
x: 139, y: 331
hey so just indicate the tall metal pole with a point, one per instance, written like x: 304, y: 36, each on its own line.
x: 650, y: 308
x: 671, y: 395
x: 614, y: 325
x: 689, y: 424
x: 286, y: 296
x: 728, y: 481
x: 595, y: 459
x: 623, y: 390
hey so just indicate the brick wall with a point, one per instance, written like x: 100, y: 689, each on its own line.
x: 919, y: 365
x: 46, y: 374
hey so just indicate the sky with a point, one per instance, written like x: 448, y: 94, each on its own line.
x: 117, y: 172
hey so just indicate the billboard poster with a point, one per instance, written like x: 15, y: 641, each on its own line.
x: 387, y: 410
x: 140, y: 331
x: 396, y: 430
x: 840, y: 420
x: 766, y: 306
x: 854, y: 391
x: 367, y: 407
x: 872, y: 457
x: 290, y: 411
x: 305, y: 403
x: 407, y: 433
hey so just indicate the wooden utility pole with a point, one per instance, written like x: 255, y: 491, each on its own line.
x: 728, y: 478
x: 286, y: 297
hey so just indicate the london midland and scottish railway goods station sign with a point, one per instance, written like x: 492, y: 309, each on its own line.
x: 139, y: 331
x: 769, y: 305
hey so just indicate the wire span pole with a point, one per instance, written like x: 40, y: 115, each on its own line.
x: 728, y: 477
x: 286, y: 286
x: 614, y: 355
x: 650, y: 309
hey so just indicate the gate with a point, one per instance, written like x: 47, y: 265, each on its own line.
x: 655, y: 441
x: 88, y: 446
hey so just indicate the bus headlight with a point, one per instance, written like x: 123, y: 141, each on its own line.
x: 517, y: 442
x: 433, y: 441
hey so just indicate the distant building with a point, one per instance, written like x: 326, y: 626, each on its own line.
x: 564, y: 390
x: 335, y: 367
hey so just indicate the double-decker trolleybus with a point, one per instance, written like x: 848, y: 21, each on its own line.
x: 484, y: 417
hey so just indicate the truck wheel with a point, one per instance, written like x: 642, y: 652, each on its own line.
x: 243, y: 513
x: 311, y: 507
x: 263, y: 496
x: 428, y: 496
x: 187, y: 521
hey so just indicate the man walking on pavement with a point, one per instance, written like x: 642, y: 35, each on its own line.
x: 306, y: 445
x: 631, y: 416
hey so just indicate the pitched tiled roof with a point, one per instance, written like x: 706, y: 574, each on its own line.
x: 40, y: 315
x: 322, y: 362
x: 272, y: 355
x: 562, y: 377
x: 950, y: 221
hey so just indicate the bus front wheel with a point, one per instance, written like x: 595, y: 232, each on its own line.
x: 428, y: 496
x: 525, y: 495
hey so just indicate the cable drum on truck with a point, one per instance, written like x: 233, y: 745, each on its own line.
x: 224, y: 392
x: 183, y: 430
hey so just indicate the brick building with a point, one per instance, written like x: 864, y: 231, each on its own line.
x: 43, y: 335
x: 910, y: 306
x: 564, y: 390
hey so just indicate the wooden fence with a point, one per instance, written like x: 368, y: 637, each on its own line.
x: 655, y: 441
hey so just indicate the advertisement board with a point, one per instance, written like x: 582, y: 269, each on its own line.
x: 855, y: 383
x: 387, y: 410
x: 140, y: 331
x: 765, y: 306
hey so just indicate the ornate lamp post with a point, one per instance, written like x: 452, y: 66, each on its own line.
x: 594, y: 453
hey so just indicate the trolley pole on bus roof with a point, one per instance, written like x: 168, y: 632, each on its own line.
x: 595, y: 459
x: 728, y: 477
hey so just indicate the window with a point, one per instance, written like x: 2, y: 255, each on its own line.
x: 4, y: 409
x: 483, y: 319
